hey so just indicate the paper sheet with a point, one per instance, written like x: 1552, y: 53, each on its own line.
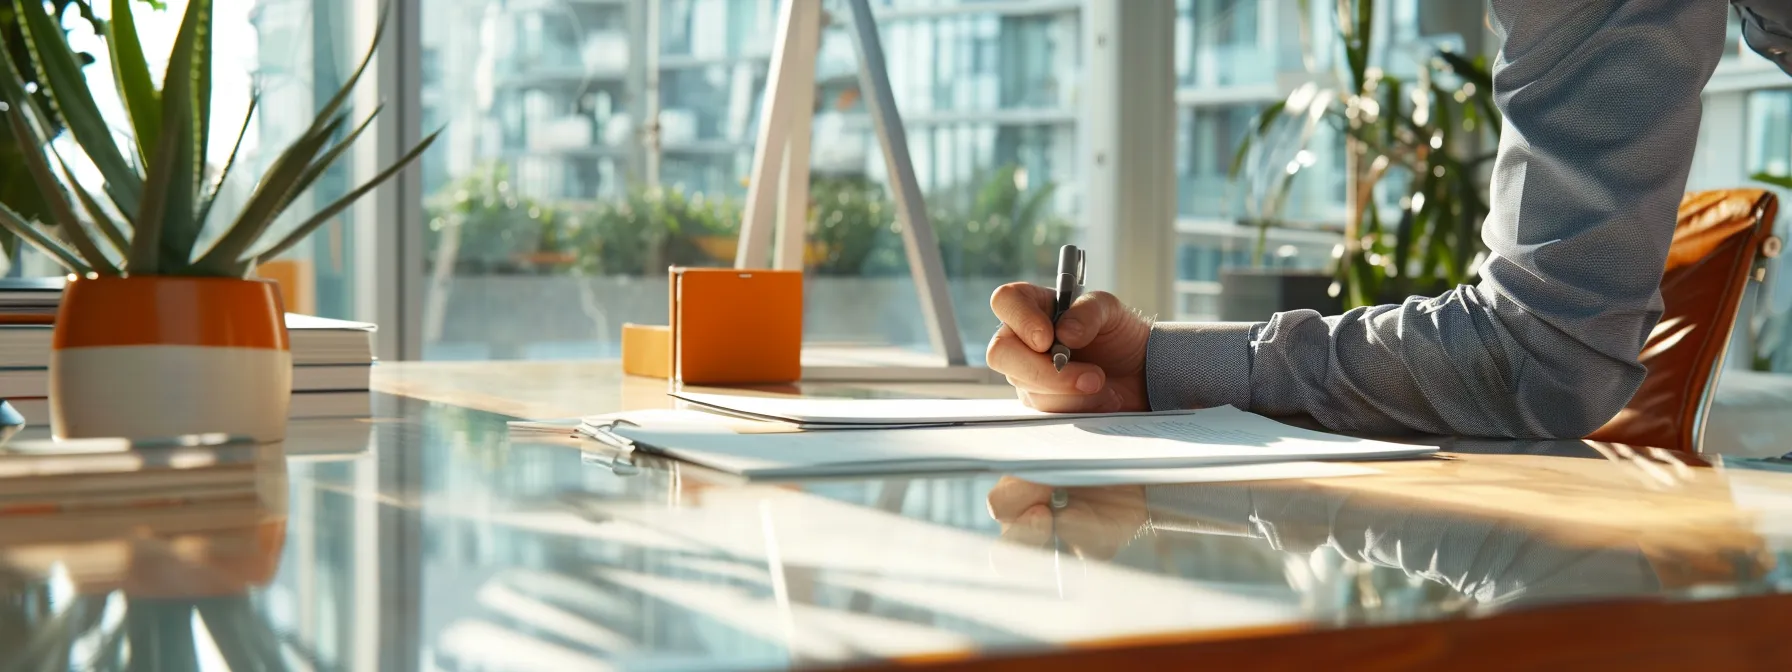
x: 1219, y: 436
x: 824, y: 413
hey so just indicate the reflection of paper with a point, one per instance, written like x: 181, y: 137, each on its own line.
x: 823, y: 413
x: 1203, y: 438
x: 1083, y: 478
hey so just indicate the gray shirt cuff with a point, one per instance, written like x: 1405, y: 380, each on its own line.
x: 1199, y: 365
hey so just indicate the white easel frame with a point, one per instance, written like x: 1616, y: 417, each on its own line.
x: 778, y: 187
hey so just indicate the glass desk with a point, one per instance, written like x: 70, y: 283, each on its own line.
x: 433, y: 538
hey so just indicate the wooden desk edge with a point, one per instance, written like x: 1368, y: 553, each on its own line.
x: 1743, y: 633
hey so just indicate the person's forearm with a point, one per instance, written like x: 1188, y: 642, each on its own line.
x: 1601, y: 110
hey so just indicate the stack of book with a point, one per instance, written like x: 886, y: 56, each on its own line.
x: 332, y: 360
x: 45, y: 477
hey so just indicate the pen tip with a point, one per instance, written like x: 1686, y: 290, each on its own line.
x: 1059, y: 360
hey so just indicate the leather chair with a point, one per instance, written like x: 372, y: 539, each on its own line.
x: 1722, y: 241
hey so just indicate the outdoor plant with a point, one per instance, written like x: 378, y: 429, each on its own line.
x: 149, y: 217
x: 490, y: 224
x: 1425, y: 137
x: 654, y: 228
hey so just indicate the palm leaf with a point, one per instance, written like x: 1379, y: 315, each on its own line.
x: 130, y: 70
x: 1259, y: 129
x: 60, y: 70
x: 343, y: 203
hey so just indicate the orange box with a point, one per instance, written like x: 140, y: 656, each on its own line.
x: 647, y: 350
x: 733, y: 327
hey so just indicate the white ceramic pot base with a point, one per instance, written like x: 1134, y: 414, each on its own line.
x: 162, y: 391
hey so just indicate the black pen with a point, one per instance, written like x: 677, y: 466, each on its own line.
x: 1070, y: 285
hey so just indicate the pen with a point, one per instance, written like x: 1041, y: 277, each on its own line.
x: 1070, y: 284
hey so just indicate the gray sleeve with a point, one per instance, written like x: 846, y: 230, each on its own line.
x: 1767, y: 28
x: 1602, y: 108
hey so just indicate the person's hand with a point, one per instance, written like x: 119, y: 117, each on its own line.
x: 1107, y: 342
x: 1095, y: 523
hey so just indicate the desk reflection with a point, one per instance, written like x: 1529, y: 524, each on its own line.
x: 1485, y: 562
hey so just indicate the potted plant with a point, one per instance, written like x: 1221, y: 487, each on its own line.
x: 156, y: 337
x: 1431, y: 136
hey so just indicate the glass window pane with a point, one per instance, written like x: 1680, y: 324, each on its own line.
x: 547, y: 233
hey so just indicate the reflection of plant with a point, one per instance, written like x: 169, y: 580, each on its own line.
x: 1420, y: 129
x: 493, y: 226
x: 154, y: 633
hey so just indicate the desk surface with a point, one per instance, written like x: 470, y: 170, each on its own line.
x: 433, y: 538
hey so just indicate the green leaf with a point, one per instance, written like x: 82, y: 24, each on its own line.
x: 181, y: 112
x: 101, y: 219
x: 60, y: 208
x: 201, y: 69
x: 145, y: 257
x: 1259, y: 129
x: 268, y: 200
x: 60, y: 71
x: 348, y: 87
x: 343, y: 203
x: 130, y: 70
x: 40, y: 240
x: 1780, y: 181
x: 205, y: 208
x: 317, y: 168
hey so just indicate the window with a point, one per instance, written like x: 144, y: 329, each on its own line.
x: 1228, y: 72
x: 1770, y: 131
x: 551, y: 215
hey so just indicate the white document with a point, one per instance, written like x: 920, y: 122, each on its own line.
x: 1219, y: 436
x: 825, y: 413
x: 1236, y: 473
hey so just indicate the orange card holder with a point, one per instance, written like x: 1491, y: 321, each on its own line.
x: 732, y: 327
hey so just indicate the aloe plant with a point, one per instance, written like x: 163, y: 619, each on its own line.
x: 156, y: 198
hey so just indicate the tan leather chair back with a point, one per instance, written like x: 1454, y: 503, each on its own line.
x: 1719, y: 242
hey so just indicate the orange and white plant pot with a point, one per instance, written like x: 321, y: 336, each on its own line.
x: 155, y: 357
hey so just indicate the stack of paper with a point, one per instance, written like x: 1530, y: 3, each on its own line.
x: 794, y: 438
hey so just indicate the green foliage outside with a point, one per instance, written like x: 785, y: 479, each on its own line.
x: 997, y: 228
